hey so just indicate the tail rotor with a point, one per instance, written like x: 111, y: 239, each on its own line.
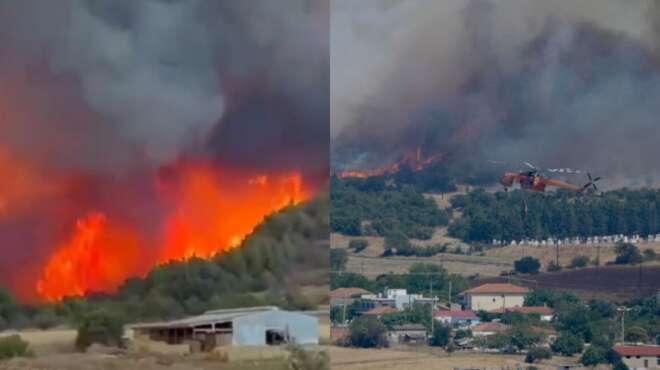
x: 591, y: 184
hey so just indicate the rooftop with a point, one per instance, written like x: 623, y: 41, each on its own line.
x: 343, y: 293
x: 468, y: 314
x: 541, y: 310
x: 647, y: 351
x: 207, y: 318
x: 383, y: 310
x: 498, y: 288
x: 490, y: 326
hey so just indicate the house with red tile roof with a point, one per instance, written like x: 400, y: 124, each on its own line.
x: 378, y: 312
x: 346, y: 296
x: 492, y: 296
x: 489, y: 328
x: 460, y: 318
x: 639, y: 357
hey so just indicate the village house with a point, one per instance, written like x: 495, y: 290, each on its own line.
x: 458, y: 318
x: 378, y: 312
x: 545, y: 313
x: 639, y: 357
x: 489, y: 328
x: 346, y: 296
x: 395, y: 298
x: 489, y: 297
x: 406, y: 334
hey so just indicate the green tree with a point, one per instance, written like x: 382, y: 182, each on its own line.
x: 358, y: 245
x: 579, y: 261
x: 338, y: 259
x: 422, y: 274
x: 636, y: 334
x: 367, y: 332
x: 8, y: 307
x: 627, y: 253
x: 100, y: 327
x: 440, y: 336
x: 535, y: 354
x: 593, y: 356
x: 527, y: 265
x: 568, y: 344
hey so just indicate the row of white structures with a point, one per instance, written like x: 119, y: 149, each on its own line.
x: 606, y: 239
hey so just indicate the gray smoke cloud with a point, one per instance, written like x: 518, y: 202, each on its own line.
x: 558, y: 83
x: 152, y: 73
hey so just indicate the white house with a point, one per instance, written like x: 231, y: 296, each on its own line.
x: 489, y: 297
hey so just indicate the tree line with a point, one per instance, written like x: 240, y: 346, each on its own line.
x: 374, y: 206
x: 518, y: 215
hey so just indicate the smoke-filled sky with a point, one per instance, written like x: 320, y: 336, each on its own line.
x: 162, y: 116
x: 156, y: 78
x: 557, y: 83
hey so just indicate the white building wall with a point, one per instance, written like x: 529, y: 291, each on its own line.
x: 250, y: 330
x: 489, y: 302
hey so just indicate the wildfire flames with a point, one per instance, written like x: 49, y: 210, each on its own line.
x: 415, y: 161
x: 206, y: 211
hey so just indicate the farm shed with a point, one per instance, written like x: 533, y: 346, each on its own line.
x: 238, y: 327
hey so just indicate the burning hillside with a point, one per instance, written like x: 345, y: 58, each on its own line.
x: 133, y: 134
x: 415, y: 162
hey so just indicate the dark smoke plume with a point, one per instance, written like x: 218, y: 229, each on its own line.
x: 573, y: 84
x: 153, y: 79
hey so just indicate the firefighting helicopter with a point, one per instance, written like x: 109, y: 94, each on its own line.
x: 531, y: 179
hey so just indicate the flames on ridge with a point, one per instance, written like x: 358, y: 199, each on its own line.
x: 413, y: 160
x: 207, y: 211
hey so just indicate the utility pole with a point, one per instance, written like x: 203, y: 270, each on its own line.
x: 623, y: 311
x: 557, y: 254
x: 431, y: 293
x: 449, y: 295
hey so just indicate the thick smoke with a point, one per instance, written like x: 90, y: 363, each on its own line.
x: 100, y: 100
x: 151, y: 76
x: 557, y: 83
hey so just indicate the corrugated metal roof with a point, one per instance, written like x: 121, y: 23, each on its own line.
x: 209, y: 317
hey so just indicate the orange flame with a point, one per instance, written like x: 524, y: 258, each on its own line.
x: 212, y: 212
x: 415, y: 161
x: 95, y: 258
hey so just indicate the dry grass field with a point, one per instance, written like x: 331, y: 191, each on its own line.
x: 491, y: 263
x: 391, y: 359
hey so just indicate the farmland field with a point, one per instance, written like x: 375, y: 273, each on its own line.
x: 614, y: 282
x: 390, y: 359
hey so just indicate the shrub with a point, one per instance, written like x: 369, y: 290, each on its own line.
x: 568, y: 344
x: 552, y: 267
x: 14, y: 346
x: 527, y: 265
x: 338, y: 259
x: 594, y: 355
x: 627, y: 253
x: 440, y: 337
x: 99, y: 327
x: 580, y: 261
x: 367, y: 332
x: 302, y: 359
x: 358, y: 245
x: 537, y: 353
x: 45, y: 319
